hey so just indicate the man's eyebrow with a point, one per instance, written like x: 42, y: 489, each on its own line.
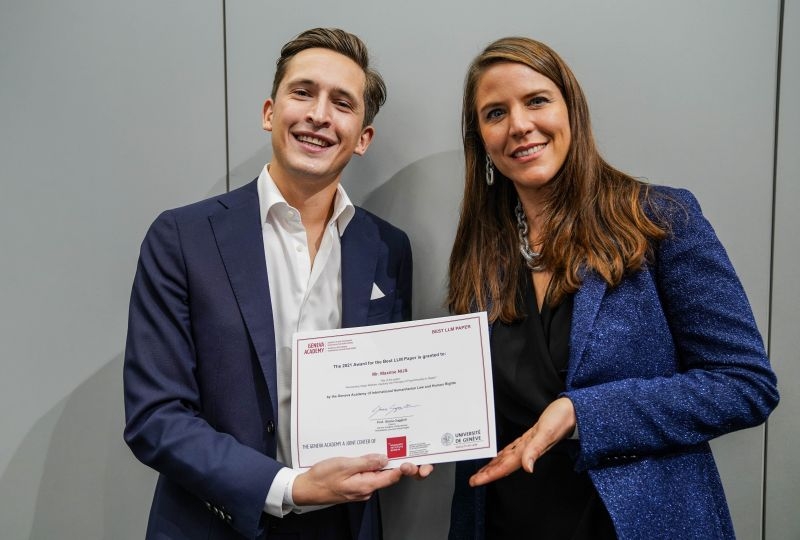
x: 337, y: 90
x: 304, y: 82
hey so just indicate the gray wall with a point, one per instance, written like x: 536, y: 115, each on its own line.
x: 111, y: 111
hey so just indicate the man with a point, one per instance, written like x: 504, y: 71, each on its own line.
x: 221, y: 286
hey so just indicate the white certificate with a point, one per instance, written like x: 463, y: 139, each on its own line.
x: 417, y: 391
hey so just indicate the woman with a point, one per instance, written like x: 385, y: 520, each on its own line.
x: 622, y: 340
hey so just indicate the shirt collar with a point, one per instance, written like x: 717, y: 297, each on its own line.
x: 269, y: 195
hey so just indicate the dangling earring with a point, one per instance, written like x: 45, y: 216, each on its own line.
x: 489, y: 171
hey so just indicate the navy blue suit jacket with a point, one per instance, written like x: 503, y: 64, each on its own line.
x: 659, y: 365
x: 200, y: 375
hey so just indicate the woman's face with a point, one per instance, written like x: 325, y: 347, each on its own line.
x: 524, y: 124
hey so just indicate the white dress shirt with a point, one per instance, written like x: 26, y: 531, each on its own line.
x: 304, y: 297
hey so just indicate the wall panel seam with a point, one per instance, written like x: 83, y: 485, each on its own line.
x: 225, y: 87
x: 772, y: 251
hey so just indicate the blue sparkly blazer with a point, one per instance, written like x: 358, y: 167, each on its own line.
x: 659, y: 365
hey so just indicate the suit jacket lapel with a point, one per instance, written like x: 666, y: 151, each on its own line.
x: 584, y: 311
x: 360, y: 249
x: 237, y: 231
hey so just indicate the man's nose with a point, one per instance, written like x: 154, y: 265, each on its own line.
x: 319, y: 112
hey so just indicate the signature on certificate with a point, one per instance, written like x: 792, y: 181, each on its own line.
x: 384, y: 411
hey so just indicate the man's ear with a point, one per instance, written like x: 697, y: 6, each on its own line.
x: 363, y: 141
x: 266, y: 119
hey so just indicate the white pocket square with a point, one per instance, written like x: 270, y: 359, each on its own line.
x: 376, y: 292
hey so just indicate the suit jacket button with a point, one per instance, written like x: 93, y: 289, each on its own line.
x: 270, y: 427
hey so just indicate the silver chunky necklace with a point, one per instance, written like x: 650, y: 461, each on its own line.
x: 531, y: 257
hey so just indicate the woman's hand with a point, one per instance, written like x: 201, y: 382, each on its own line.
x: 556, y: 422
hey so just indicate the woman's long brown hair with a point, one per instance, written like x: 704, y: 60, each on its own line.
x: 594, y: 216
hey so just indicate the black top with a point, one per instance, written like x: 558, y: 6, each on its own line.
x: 529, y: 366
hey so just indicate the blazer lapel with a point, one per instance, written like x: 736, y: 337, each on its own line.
x: 360, y: 248
x: 237, y: 231
x: 584, y: 312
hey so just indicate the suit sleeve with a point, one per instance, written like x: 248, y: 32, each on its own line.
x: 165, y: 428
x: 723, y: 381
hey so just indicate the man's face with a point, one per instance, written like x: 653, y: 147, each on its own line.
x: 316, y: 117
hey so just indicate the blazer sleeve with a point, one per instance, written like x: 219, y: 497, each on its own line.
x: 165, y: 428
x: 722, y: 381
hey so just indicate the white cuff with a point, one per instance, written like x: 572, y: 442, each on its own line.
x: 279, y: 497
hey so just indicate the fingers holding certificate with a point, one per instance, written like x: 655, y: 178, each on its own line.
x: 419, y: 392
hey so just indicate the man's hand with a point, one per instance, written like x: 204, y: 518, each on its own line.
x: 338, y: 480
x: 556, y: 422
x: 420, y: 473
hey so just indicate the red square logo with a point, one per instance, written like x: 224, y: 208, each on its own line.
x: 395, y: 447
